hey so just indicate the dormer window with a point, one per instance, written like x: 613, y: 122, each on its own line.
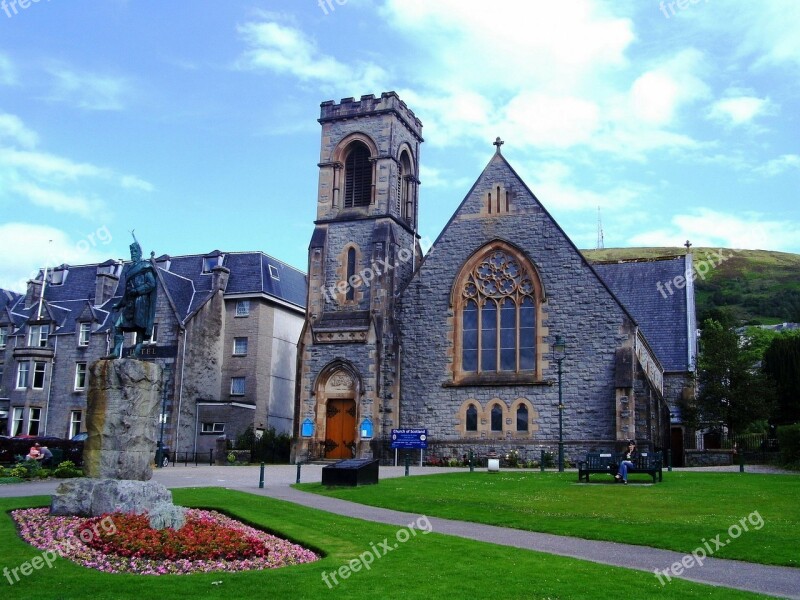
x: 164, y: 262
x: 37, y: 335
x: 273, y: 272
x: 214, y: 260
x: 83, y: 334
x: 59, y: 275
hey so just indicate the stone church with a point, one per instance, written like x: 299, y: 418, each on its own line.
x: 461, y: 341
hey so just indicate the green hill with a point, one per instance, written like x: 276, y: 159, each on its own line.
x: 759, y: 287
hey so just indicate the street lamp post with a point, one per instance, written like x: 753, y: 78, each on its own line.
x: 559, y: 354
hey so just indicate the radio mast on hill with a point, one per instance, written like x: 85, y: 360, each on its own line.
x: 600, y: 241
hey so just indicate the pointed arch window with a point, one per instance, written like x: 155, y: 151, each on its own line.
x: 497, y: 418
x: 472, y: 418
x: 404, y: 204
x: 522, y: 418
x: 358, y: 177
x: 351, y: 271
x: 497, y: 296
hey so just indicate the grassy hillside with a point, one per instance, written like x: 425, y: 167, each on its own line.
x: 758, y: 286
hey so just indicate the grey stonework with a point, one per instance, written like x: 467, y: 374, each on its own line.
x: 89, y: 497
x: 195, y: 317
x: 404, y: 362
x: 358, y: 336
x: 122, y: 419
x: 578, y: 307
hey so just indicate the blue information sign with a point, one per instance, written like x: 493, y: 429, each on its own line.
x: 409, y: 438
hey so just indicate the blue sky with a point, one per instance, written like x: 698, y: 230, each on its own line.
x: 195, y: 123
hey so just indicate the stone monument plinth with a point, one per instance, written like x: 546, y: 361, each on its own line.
x: 123, y: 408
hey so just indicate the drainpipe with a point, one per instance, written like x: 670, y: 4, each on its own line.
x: 180, y: 395
x: 50, y: 386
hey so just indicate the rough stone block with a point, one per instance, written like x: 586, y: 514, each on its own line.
x: 123, y: 406
x: 87, y: 497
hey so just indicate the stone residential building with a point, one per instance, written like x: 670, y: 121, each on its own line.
x: 461, y: 342
x: 226, y: 333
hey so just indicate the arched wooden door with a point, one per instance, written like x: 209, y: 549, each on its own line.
x: 340, y: 428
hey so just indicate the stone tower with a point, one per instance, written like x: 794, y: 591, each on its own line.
x: 362, y: 254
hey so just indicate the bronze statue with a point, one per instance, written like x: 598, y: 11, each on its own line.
x: 137, y: 307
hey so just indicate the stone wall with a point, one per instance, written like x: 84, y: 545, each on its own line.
x: 578, y: 307
x: 708, y: 458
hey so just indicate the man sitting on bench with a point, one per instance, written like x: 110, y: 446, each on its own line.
x: 630, y: 455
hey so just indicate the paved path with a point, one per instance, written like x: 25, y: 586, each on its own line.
x: 775, y: 581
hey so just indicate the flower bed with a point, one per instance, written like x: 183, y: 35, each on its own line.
x: 209, y: 541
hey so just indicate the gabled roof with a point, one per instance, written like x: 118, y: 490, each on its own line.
x: 663, y: 311
x: 185, y: 284
x: 497, y: 167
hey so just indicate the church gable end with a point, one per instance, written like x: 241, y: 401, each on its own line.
x: 477, y: 329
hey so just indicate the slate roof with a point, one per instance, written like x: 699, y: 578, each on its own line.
x: 665, y: 318
x: 185, y: 283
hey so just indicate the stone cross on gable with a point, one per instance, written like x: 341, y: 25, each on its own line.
x: 688, y: 245
x: 498, y: 142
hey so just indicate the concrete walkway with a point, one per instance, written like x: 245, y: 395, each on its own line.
x: 775, y: 581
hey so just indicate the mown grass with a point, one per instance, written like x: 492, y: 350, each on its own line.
x: 676, y: 514
x: 427, y: 566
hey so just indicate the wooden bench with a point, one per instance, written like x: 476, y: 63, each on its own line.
x: 606, y: 462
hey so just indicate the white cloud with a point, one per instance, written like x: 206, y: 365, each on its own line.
x: 659, y: 94
x: 708, y: 227
x: 8, y: 75
x: 132, y: 182
x: 47, y: 165
x: 554, y: 183
x: 13, y: 129
x: 769, y: 31
x: 89, y: 91
x: 779, y: 165
x: 287, y: 50
x: 28, y: 247
x: 739, y: 110
x: 53, y: 199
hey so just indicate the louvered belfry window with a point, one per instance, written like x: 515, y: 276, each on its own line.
x: 358, y: 177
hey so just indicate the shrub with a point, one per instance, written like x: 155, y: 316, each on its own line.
x: 789, y: 442
x: 67, y: 470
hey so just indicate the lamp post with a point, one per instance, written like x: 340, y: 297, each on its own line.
x: 559, y: 354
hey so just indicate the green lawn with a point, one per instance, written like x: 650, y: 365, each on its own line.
x: 427, y: 566
x: 676, y: 514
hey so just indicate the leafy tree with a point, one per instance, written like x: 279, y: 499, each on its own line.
x: 732, y: 391
x: 782, y: 364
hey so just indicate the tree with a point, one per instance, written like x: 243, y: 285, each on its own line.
x: 732, y: 391
x: 782, y: 364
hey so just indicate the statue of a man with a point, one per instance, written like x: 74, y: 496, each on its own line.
x: 137, y: 307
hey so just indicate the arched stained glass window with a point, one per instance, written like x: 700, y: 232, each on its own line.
x: 497, y: 418
x: 498, y: 316
x: 472, y: 418
x: 351, y: 270
x: 522, y: 418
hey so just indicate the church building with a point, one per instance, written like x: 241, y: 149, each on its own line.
x: 463, y: 342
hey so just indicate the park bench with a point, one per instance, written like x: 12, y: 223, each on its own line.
x: 596, y: 462
x: 606, y: 462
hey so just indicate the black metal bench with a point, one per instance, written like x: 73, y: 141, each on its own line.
x: 606, y: 462
x: 597, y: 462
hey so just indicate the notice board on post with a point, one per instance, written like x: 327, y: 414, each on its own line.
x: 409, y: 439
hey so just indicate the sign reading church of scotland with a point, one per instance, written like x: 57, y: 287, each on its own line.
x: 409, y: 438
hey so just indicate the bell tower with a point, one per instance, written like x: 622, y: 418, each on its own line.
x: 363, y: 251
